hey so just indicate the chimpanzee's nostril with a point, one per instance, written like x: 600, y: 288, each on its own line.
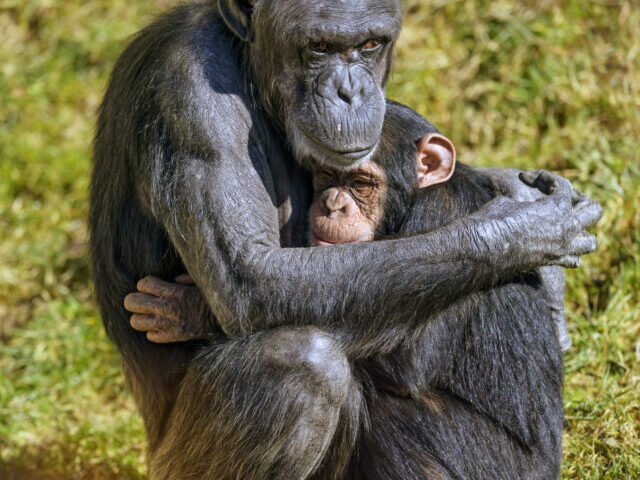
x: 345, y: 96
x: 336, y: 202
x: 349, y: 87
x: 347, y: 93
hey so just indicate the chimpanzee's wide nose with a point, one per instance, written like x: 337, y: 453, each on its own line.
x: 337, y: 203
x: 348, y: 85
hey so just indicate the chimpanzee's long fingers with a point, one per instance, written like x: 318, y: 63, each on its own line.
x: 184, y: 279
x: 145, y: 323
x: 583, y: 244
x: 158, y: 287
x: 140, y: 303
x: 588, y: 213
x: 162, y: 336
x: 150, y: 305
x: 568, y: 261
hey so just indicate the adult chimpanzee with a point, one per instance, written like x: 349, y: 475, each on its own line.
x: 475, y: 390
x: 193, y: 169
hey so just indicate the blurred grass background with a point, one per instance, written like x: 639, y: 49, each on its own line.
x: 552, y: 84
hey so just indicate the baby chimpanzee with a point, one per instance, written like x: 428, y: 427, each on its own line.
x: 369, y: 202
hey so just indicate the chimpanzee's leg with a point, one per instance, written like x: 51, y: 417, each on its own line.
x: 262, y: 407
x: 443, y: 437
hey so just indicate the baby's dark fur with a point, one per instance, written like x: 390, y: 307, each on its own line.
x: 476, y: 391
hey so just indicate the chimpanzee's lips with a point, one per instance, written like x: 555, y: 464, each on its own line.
x: 355, y: 154
x: 316, y: 241
x: 352, y: 155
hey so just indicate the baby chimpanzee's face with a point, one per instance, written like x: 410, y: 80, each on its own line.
x: 349, y: 205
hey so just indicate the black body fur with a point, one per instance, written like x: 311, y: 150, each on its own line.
x: 193, y: 172
x: 483, y: 376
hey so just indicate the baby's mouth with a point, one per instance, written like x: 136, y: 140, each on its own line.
x: 318, y: 241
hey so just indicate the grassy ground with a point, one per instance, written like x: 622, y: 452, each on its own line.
x: 550, y: 83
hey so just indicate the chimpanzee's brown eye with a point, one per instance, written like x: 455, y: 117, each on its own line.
x: 318, y: 47
x: 321, y: 179
x: 362, y: 188
x: 372, y: 44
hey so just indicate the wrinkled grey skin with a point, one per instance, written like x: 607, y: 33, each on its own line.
x: 553, y: 281
x: 553, y: 278
x: 193, y: 171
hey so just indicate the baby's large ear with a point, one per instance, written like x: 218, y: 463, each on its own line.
x: 436, y: 160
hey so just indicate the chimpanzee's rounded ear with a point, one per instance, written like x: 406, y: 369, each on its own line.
x: 436, y: 159
x: 237, y: 15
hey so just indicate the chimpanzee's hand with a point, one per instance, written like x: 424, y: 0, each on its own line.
x: 548, y: 231
x: 507, y: 181
x: 168, y: 312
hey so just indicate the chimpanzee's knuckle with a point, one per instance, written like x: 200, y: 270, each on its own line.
x: 527, y: 194
x: 157, y: 322
x: 167, y: 307
x: 597, y: 211
x: 177, y: 310
x: 559, y: 211
x: 574, y: 223
x: 179, y: 294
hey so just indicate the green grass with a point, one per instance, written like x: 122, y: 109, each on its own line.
x: 552, y: 84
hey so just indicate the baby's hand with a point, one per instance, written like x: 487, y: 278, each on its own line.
x: 168, y: 312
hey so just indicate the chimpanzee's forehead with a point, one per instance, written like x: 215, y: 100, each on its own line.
x: 338, y: 19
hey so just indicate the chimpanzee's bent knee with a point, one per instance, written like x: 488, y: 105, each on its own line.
x: 313, y: 355
x: 262, y: 407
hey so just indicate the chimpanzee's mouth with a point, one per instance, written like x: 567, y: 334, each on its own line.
x: 316, y: 241
x: 355, y: 154
x: 337, y: 158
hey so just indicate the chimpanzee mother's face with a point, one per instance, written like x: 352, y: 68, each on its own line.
x: 324, y: 65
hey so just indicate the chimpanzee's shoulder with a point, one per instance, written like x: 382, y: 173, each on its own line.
x: 188, y: 34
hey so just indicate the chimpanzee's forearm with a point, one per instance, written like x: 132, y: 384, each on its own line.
x: 364, y: 291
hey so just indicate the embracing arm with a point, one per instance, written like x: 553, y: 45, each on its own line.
x: 230, y: 245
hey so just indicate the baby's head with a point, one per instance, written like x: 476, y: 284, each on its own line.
x: 349, y: 206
